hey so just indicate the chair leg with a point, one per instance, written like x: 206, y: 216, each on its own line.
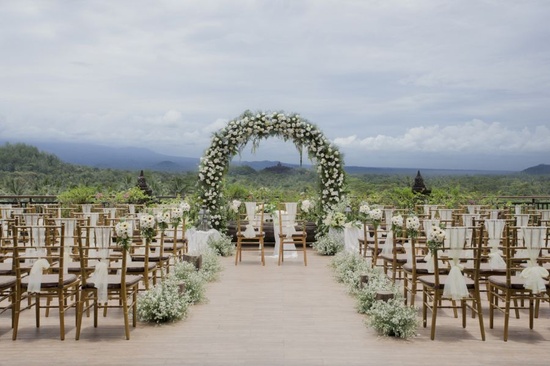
x: 434, y: 312
x: 125, y: 312
x: 305, y: 254
x: 61, y: 306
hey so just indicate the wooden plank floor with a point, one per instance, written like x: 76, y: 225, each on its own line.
x: 287, y: 315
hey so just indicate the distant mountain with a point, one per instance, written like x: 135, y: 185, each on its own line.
x: 541, y: 169
x: 136, y: 158
x: 126, y: 158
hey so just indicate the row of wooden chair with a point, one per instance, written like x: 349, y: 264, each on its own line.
x: 505, y: 288
x: 292, y: 235
x: 49, y: 267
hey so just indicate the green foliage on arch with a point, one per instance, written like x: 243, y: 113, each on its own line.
x: 250, y: 127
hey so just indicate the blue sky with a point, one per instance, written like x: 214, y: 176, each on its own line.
x: 410, y: 83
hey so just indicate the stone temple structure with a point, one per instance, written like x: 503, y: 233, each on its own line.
x: 419, y: 186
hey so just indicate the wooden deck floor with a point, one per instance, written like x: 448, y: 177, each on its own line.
x: 287, y: 315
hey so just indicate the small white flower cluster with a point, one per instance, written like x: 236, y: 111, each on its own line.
x: 335, y: 219
x: 185, y: 206
x: 235, y: 204
x: 147, y: 221
x: 123, y: 229
x: 231, y: 139
x: 397, y: 221
x: 375, y: 214
x: 163, y: 219
x: 306, y: 206
x: 177, y: 212
x: 413, y: 223
x: 364, y: 209
x: 436, y: 234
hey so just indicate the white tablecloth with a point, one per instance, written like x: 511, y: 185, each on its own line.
x: 198, y: 239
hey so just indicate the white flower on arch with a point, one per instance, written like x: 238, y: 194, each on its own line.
x: 231, y: 139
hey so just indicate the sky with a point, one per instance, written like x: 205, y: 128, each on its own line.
x: 393, y: 83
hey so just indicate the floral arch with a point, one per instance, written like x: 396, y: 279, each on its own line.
x: 249, y: 127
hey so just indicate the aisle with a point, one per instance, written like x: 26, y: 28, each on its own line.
x: 287, y: 315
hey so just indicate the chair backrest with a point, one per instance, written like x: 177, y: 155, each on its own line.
x: 99, y: 247
x: 458, y: 249
x: 253, y: 219
x: 41, y: 242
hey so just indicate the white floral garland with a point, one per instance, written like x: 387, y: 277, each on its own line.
x: 231, y: 139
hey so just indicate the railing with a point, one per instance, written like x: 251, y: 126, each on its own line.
x: 536, y: 202
x: 24, y: 200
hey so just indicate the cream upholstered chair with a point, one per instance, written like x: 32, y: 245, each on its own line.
x: 250, y: 231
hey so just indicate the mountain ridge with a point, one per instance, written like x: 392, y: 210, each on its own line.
x: 140, y: 158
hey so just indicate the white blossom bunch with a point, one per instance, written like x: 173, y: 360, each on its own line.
x: 147, y: 224
x: 375, y: 214
x: 177, y: 212
x: 123, y: 231
x: 147, y: 221
x: 413, y: 223
x: 235, y: 204
x: 185, y: 207
x: 436, y: 234
x: 306, y: 205
x: 397, y: 221
x: 364, y: 209
x: 163, y: 219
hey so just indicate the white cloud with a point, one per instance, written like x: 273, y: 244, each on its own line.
x: 475, y: 136
x: 373, y: 75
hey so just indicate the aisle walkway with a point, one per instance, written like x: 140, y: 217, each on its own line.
x: 288, y: 315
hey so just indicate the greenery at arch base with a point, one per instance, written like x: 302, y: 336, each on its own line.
x: 253, y: 127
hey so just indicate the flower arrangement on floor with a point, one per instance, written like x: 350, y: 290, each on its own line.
x: 330, y: 236
x: 163, y: 303
x: 391, y: 318
x: 249, y: 127
x: 222, y: 246
x: 166, y: 302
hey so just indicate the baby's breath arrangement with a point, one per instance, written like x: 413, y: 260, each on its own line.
x: 366, y: 296
x: 328, y: 244
x: 348, y: 268
x: 211, y: 265
x: 162, y: 303
x: 393, y: 318
x: 222, y: 246
x: 389, y: 318
x: 165, y: 302
x: 186, y: 273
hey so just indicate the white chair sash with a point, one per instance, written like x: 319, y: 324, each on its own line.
x: 388, y: 214
x: 103, y: 236
x: 534, y: 274
x: 35, y: 275
x: 455, y: 286
x: 387, y: 248
x: 494, y: 233
x: 446, y: 214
